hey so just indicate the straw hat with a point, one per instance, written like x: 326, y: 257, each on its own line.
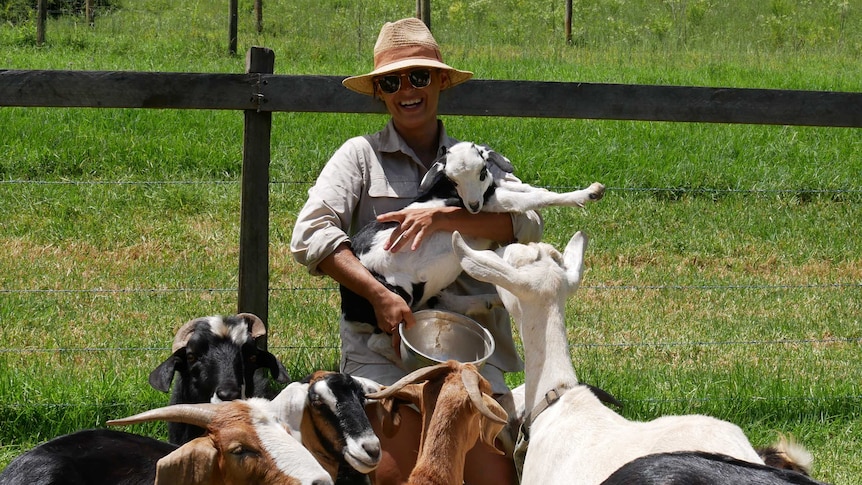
x: 404, y: 44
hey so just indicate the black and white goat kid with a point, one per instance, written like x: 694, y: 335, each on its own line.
x: 470, y: 176
x: 216, y: 359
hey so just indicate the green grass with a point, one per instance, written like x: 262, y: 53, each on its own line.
x: 724, y: 263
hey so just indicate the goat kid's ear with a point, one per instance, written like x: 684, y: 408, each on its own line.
x: 433, y: 175
x: 368, y: 386
x: 162, y: 376
x: 191, y: 464
x: 497, y: 159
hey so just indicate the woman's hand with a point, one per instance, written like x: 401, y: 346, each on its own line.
x: 391, y: 310
x: 414, y: 225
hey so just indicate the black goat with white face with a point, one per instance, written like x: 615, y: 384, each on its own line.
x: 216, y: 359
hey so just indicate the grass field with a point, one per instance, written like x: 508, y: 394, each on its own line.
x: 725, y: 262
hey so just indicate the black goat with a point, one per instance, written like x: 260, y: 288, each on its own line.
x: 702, y: 468
x: 217, y: 359
x: 80, y: 458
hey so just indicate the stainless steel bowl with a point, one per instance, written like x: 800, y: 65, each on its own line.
x: 441, y: 335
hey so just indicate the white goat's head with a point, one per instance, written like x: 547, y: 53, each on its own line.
x: 470, y: 168
x: 534, y: 275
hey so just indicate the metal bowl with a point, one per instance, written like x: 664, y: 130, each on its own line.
x: 441, y: 335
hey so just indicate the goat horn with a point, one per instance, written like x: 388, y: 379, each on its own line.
x: 470, y: 378
x: 194, y: 414
x: 422, y: 374
x: 184, y: 333
x: 257, y: 327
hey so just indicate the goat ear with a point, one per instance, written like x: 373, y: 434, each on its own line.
x: 499, y: 160
x: 191, y: 464
x: 490, y: 428
x: 368, y: 386
x: 162, y: 376
x: 487, y: 266
x: 573, y: 258
x: 433, y: 175
x: 276, y: 368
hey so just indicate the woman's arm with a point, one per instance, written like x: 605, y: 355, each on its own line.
x: 416, y: 224
x: 390, y: 309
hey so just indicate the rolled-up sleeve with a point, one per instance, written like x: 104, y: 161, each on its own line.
x: 323, y: 223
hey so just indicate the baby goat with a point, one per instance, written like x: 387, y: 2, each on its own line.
x: 573, y: 438
x: 469, y: 176
x: 245, y: 443
x: 216, y: 359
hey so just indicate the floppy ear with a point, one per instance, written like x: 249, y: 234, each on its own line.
x: 489, y: 429
x: 191, y: 464
x: 499, y: 160
x: 433, y: 175
x: 488, y: 266
x: 573, y: 258
x: 162, y: 376
x: 276, y: 368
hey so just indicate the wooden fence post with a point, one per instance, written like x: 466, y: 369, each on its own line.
x: 258, y: 15
x: 423, y: 11
x: 90, y: 12
x: 232, y: 26
x: 41, y: 18
x: 568, y: 21
x: 254, y: 212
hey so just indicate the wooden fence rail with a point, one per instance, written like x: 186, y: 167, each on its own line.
x: 259, y: 93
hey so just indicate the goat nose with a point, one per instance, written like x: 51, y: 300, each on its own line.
x: 373, y: 450
x: 228, y: 393
x: 474, y: 207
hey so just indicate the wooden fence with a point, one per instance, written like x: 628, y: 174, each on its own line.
x: 259, y: 93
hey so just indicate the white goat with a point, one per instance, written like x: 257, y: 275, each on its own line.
x: 573, y: 437
x: 469, y: 176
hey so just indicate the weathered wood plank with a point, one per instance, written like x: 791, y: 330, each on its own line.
x: 128, y: 89
x: 587, y: 100
x: 308, y: 93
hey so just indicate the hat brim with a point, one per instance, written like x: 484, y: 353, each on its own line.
x: 364, y: 84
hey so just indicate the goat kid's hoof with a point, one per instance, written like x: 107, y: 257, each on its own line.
x: 597, y: 191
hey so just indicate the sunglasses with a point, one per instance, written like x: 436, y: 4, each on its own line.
x: 419, y: 78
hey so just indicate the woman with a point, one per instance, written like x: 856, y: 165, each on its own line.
x: 378, y: 175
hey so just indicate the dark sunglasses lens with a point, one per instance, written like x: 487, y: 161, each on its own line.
x: 420, y: 78
x: 389, y: 84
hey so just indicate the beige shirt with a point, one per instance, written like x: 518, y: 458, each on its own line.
x: 374, y: 174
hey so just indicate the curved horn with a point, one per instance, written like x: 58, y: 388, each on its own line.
x: 184, y: 333
x: 256, y: 327
x: 194, y: 414
x: 470, y: 378
x: 423, y: 374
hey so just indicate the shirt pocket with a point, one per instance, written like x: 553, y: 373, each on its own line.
x: 380, y: 187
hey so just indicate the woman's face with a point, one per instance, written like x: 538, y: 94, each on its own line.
x: 414, y: 108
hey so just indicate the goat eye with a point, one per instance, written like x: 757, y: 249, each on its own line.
x: 483, y: 175
x: 252, y: 358
x: 191, y: 358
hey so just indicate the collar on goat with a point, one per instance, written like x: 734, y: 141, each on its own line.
x: 551, y: 397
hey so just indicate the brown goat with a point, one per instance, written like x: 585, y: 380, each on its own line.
x: 457, y: 412
x: 245, y: 443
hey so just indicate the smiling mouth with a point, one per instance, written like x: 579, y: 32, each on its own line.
x: 411, y: 103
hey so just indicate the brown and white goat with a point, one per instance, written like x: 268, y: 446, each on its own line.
x: 245, y: 443
x: 457, y: 413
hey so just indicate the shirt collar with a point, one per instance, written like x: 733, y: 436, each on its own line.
x: 390, y: 141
